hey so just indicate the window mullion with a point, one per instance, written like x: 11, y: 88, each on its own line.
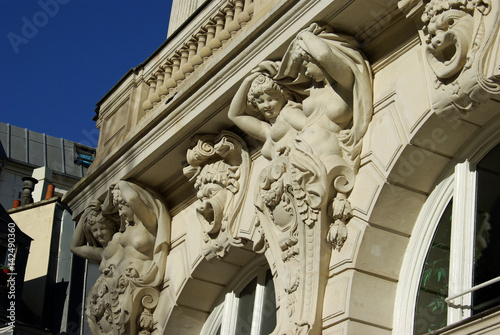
x: 229, y: 315
x: 462, y: 242
x: 259, y: 302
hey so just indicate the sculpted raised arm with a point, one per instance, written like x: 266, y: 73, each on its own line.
x: 331, y: 60
x: 238, y: 108
x: 78, y: 246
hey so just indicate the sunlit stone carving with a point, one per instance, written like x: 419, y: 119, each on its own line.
x: 461, y: 49
x: 219, y: 164
x: 132, y: 260
x: 312, y: 110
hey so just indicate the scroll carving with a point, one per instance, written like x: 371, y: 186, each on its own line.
x: 461, y: 47
x: 219, y: 165
x: 129, y: 236
x: 311, y: 110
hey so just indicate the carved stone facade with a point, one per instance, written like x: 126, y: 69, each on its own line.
x: 306, y: 151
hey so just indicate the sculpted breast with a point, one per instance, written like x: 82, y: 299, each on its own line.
x: 138, y: 238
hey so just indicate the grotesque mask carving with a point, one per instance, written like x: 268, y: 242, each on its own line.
x: 449, y: 40
x: 220, y: 167
x: 461, y: 49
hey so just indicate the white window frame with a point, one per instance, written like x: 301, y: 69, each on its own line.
x: 226, y: 311
x: 458, y: 182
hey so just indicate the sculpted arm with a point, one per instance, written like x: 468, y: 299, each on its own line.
x: 237, y: 112
x: 78, y: 246
x: 322, y: 53
x: 295, y: 117
x: 147, y: 217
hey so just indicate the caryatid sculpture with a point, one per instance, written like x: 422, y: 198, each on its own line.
x: 461, y: 47
x: 219, y: 165
x: 132, y: 259
x: 312, y: 110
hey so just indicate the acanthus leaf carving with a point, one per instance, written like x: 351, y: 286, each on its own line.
x: 220, y: 167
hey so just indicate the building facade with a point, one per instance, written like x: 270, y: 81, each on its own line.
x: 301, y: 167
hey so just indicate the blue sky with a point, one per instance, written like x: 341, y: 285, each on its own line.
x: 60, y: 57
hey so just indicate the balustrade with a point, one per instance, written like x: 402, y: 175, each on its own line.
x: 231, y: 17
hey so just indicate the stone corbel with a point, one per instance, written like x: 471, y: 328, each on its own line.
x: 461, y: 41
x: 219, y: 165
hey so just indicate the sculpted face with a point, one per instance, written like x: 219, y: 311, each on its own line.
x: 124, y: 209
x: 126, y: 212
x: 450, y: 35
x: 313, y: 71
x: 270, y: 104
x: 102, y: 233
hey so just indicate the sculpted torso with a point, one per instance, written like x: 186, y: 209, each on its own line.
x: 284, y: 130
x: 133, y: 250
x: 111, y: 255
x: 327, y: 114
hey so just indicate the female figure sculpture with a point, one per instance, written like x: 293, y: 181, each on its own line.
x: 144, y: 233
x: 315, y: 143
x: 339, y: 100
x: 338, y: 106
x: 98, y: 230
x: 273, y: 103
x: 132, y: 262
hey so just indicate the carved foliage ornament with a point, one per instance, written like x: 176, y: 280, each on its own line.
x: 461, y: 47
x: 219, y: 165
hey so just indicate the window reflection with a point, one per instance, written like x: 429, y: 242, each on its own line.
x: 250, y: 310
x: 487, y: 248
x: 431, y: 308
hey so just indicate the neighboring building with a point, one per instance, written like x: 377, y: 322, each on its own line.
x: 374, y: 209
x: 23, y: 151
x: 36, y: 171
x: 14, y: 250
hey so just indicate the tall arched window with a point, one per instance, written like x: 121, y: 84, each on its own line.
x: 451, y: 271
x: 248, y: 307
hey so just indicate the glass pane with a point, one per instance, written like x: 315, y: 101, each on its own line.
x: 431, y: 309
x: 269, y: 306
x: 245, y: 309
x: 487, y: 246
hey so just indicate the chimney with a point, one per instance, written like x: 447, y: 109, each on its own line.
x: 44, y: 176
x: 28, y: 186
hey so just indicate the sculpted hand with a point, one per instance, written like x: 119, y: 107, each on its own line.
x: 268, y: 67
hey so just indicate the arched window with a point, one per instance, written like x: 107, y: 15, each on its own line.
x: 248, y: 307
x: 451, y: 270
